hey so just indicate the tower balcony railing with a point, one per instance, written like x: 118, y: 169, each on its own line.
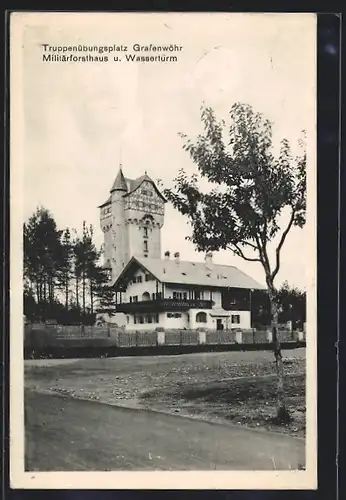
x: 157, y: 305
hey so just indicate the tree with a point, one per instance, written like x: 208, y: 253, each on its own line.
x: 105, y: 293
x: 65, y: 264
x: 85, y: 265
x: 292, y: 302
x: 42, y: 250
x: 252, y: 188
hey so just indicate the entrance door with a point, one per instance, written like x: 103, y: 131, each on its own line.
x: 219, y: 325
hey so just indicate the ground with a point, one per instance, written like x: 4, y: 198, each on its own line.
x: 231, y: 387
x: 65, y: 434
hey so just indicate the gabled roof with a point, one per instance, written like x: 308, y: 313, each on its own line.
x: 193, y: 273
x: 127, y: 185
x: 134, y: 184
x: 120, y: 183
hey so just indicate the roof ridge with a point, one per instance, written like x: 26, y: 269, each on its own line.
x: 189, y: 262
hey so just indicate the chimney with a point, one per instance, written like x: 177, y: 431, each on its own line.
x: 208, y: 259
x: 177, y: 257
x: 167, y: 255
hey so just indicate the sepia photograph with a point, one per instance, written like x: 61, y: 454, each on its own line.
x: 163, y: 251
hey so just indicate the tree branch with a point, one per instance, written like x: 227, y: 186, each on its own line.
x: 238, y: 251
x: 251, y: 245
x: 282, y: 241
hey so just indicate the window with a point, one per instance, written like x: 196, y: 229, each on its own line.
x: 145, y: 232
x: 141, y: 320
x: 201, y: 317
x: 235, y: 318
x: 130, y: 299
x: 185, y: 296
x: 135, y: 320
x: 173, y: 315
x: 135, y: 298
x: 232, y: 301
x: 149, y: 319
x: 197, y: 294
x: 128, y: 319
x: 145, y: 245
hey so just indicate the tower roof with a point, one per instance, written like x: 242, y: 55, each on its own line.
x: 120, y: 182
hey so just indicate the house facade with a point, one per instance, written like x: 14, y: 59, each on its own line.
x: 173, y: 294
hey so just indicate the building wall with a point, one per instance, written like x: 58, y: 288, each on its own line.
x: 139, y: 288
x: 137, y: 237
x: 187, y: 319
x: 170, y: 321
x: 145, y: 326
x: 123, y: 221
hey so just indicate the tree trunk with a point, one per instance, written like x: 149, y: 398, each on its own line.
x: 91, y: 298
x: 282, y: 414
x: 66, y: 293
x: 77, y: 292
x: 83, y: 292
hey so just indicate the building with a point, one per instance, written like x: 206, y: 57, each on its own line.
x: 175, y: 294
x: 131, y: 220
x: 153, y: 292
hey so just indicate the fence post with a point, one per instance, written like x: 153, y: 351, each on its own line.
x: 160, y: 337
x: 300, y: 336
x: 239, y: 337
x: 202, y: 337
x: 269, y: 336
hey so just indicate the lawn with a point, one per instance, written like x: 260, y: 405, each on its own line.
x: 236, y: 387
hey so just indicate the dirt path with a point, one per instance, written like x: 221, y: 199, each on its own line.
x: 64, y: 434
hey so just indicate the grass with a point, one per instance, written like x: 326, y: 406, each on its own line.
x: 236, y: 387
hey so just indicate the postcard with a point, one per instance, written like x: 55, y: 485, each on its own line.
x: 163, y: 251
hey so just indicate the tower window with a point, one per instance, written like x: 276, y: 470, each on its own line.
x: 145, y: 232
x: 145, y: 245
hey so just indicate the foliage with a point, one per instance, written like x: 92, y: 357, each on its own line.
x: 252, y: 187
x: 249, y: 190
x: 62, y: 277
x: 291, y: 306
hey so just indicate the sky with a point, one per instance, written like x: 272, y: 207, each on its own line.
x: 81, y: 120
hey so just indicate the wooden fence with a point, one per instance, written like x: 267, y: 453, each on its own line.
x: 40, y: 335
